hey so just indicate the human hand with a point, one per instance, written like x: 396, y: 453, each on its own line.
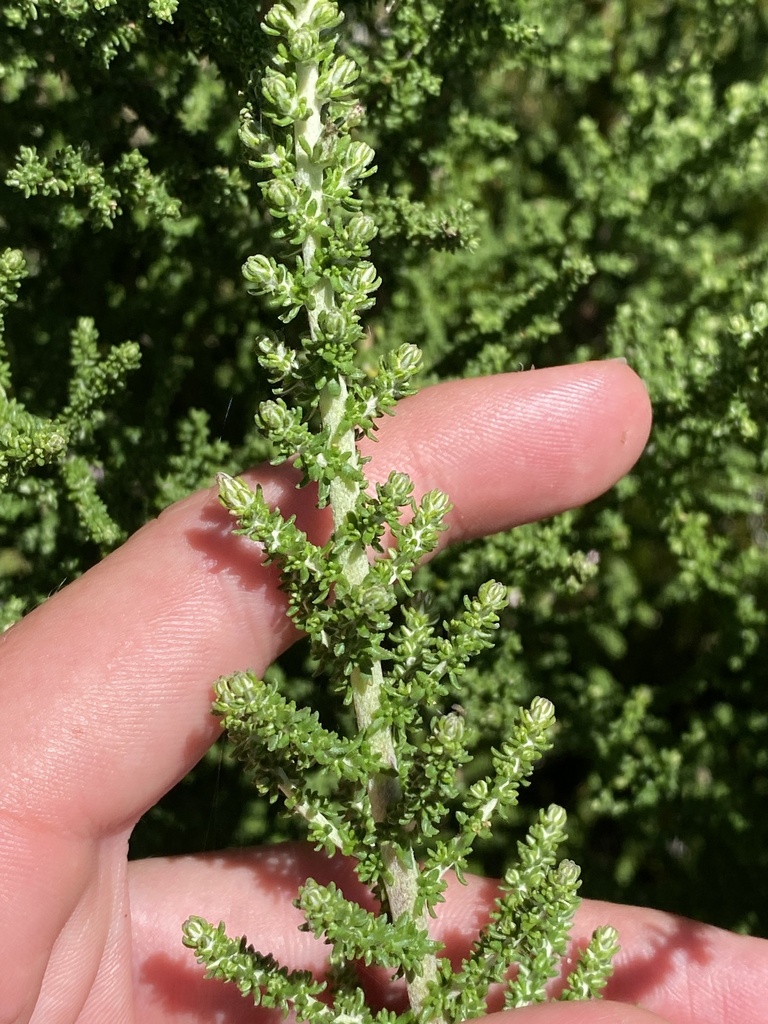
x: 105, y: 695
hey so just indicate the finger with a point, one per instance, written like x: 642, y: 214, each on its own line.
x: 518, y: 447
x: 689, y: 972
x: 678, y: 970
x: 113, y: 674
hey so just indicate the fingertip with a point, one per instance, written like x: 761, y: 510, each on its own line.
x: 521, y: 446
x: 631, y: 395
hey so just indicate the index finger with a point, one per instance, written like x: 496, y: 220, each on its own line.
x: 113, y: 674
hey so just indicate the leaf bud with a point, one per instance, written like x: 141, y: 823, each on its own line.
x: 280, y: 92
x: 492, y: 595
x: 605, y: 940
x: 196, y: 931
x: 556, y: 817
x: 234, y: 493
x: 435, y: 505
x: 337, y: 78
x: 568, y: 873
x: 360, y: 230
x: 280, y: 194
x: 12, y: 262
x: 448, y: 728
x: 303, y: 43
x: 406, y: 360
x: 277, y: 358
x: 364, y: 277
x: 54, y: 443
x: 313, y: 898
x: 278, y: 21
x: 357, y: 158
x: 399, y: 487
x: 542, y: 711
x: 277, y: 419
x: 479, y: 790
x: 259, y: 268
x: 269, y: 277
x: 251, y: 137
x: 333, y: 323
x: 325, y: 15
x: 163, y: 10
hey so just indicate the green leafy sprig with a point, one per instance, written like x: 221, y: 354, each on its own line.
x: 29, y: 442
x: 395, y: 783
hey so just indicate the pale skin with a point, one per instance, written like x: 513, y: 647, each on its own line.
x: 105, y: 694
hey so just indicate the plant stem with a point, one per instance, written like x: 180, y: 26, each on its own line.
x: 402, y: 871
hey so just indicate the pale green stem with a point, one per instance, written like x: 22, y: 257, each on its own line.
x: 383, y: 789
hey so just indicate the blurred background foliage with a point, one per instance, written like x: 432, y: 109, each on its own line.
x: 559, y: 180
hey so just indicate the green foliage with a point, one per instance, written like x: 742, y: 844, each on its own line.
x: 528, y: 930
x: 63, y: 442
x: 556, y: 181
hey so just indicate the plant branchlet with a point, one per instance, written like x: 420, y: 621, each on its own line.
x: 397, y: 789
